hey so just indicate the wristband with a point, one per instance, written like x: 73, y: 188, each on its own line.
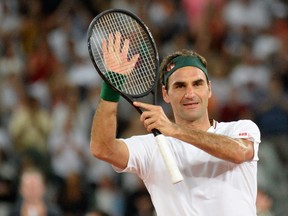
x: 107, y: 93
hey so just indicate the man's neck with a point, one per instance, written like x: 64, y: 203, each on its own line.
x: 200, y: 124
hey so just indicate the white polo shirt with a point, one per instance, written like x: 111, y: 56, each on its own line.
x: 211, y: 186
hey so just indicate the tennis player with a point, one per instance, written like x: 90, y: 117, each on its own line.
x: 218, y: 160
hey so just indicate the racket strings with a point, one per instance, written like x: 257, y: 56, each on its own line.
x: 141, y: 38
x: 138, y: 85
x: 134, y: 78
x: 143, y: 76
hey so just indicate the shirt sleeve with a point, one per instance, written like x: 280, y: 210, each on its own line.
x: 247, y: 129
x: 141, y: 151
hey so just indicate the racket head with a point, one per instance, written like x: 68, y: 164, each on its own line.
x: 144, y: 77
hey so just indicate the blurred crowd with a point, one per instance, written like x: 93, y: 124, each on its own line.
x: 49, y: 91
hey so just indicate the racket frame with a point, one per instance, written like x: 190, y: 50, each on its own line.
x: 129, y: 97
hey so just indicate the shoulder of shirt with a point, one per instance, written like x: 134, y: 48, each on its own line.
x: 245, y: 123
x: 143, y: 136
x: 238, y: 122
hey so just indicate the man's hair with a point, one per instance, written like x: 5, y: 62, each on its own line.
x: 33, y: 171
x: 167, y: 60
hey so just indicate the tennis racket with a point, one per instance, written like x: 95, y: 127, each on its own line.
x: 123, y: 34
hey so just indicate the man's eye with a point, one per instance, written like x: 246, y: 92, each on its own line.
x: 200, y: 83
x: 179, y: 86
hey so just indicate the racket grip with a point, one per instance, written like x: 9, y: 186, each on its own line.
x: 170, y: 162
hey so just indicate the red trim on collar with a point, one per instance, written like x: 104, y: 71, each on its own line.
x: 213, y: 123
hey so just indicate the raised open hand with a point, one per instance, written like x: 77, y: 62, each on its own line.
x: 116, y: 57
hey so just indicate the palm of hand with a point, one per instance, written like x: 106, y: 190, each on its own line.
x: 116, y: 57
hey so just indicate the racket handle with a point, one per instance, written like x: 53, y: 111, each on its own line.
x: 170, y: 162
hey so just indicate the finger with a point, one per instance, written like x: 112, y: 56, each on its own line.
x: 104, y: 45
x: 117, y: 47
x: 134, y: 59
x: 111, y: 43
x: 143, y: 105
x: 149, y: 128
x: 149, y: 121
x: 125, y: 48
x: 130, y: 65
x: 150, y: 125
x: 144, y: 116
x: 105, y: 54
x: 104, y: 48
x: 117, y: 42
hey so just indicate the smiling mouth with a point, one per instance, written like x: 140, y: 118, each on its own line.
x: 190, y: 104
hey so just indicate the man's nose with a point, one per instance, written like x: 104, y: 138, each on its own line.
x: 190, y: 93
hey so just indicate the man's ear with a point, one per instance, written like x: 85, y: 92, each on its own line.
x: 210, y: 89
x: 165, y: 94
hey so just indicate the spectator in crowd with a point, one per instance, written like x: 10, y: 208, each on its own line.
x: 32, y: 201
x: 263, y: 204
x: 29, y: 128
x: 107, y: 197
x: 272, y: 117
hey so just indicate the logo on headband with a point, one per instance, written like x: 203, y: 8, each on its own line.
x: 170, y: 66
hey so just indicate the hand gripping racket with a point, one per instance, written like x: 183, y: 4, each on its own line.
x: 132, y: 43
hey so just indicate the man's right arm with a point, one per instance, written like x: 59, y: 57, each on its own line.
x: 103, y: 142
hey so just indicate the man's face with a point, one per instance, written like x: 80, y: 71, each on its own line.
x: 32, y: 187
x: 188, y: 93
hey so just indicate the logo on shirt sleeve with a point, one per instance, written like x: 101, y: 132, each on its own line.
x: 243, y: 134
